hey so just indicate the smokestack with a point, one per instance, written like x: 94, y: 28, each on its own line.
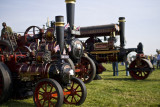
x: 122, y: 31
x: 60, y: 32
x: 70, y: 7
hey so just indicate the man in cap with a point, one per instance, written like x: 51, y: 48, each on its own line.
x: 5, y: 31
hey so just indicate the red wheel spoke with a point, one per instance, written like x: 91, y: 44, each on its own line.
x: 54, y: 98
x: 67, y: 88
x: 43, y: 103
x: 79, y: 91
x: 72, y: 99
x: 41, y: 93
x: 78, y: 95
x: 51, y: 89
x: 67, y: 96
x: 43, y: 88
x: 75, y: 100
x: 77, y: 87
x: 46, y: 87
x: 51, y: 103
x: 72, y: 85
x: 41, y: 99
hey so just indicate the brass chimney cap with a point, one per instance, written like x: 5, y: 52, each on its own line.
x: 122, y: 19
x: 70, y: 1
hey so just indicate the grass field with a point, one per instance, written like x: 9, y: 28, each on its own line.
x: 114, y: 91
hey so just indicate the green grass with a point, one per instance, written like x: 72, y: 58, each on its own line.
x: 114, y: 91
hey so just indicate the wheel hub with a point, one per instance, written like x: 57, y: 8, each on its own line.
x: 73, y: 92
x: 47, y: 95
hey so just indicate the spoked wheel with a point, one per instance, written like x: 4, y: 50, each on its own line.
x: 87, y: 69
x: 5, y: 83
x: 140, y: 69
x: 48, y: 93
x: 31, y: 31
x: 76, y: 93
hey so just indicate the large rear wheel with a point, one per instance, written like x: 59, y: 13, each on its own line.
x: 87, y: 69
x: 5, y: 83
x: 48, y: 93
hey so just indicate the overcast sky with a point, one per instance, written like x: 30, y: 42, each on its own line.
x: 142, y: 17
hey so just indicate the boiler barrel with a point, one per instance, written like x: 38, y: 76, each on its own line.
x: 41, y: 70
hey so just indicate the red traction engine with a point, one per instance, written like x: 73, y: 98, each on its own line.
x: 106, y: 50
x: 24, y: 72
x: 82, y: 64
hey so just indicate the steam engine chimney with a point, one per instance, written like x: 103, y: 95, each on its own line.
x: 70, y: 7
x: 122, y: 31
x: 60, y: 32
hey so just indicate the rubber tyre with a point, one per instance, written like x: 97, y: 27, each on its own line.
x: 6, y: 44
x: 5, y: 83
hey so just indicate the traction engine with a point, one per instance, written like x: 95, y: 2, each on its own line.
x: 102, y: 52
x: 39, y: 72
x: 82, y: 64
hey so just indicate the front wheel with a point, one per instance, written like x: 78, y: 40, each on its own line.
x: 48, y: 93
x: 140, y: 69
x: 76, y: 93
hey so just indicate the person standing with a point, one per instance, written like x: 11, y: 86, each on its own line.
x: 115, y: 68
x: 158, y: 61
x: 151, y: 59
x: 5, y: 31
x: 126, y: 66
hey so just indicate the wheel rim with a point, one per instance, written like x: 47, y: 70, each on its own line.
x: 139, y: 74
x: 85, y: 70
x: 46, y: 95
x: 76, y: 93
